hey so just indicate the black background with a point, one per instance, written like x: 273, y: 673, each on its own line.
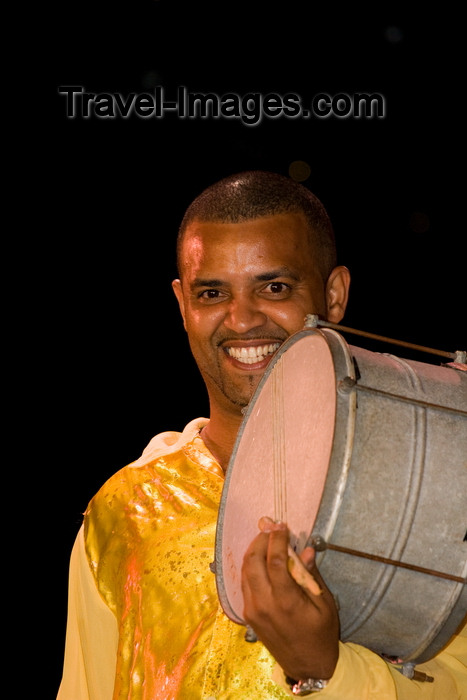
x: 112, y: 362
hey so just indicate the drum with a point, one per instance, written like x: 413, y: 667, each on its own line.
x: 365, y: 455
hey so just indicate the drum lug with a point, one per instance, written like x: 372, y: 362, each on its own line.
x: 346, y: 385
x: 408, y: 670
x: 318, y: 543
x: 250, y: 634
x: 311, y: 321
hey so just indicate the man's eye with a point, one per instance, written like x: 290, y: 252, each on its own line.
x: 209, y: 294
x: 278, y: 287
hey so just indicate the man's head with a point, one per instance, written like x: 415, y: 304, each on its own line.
x: 256, y: 254
x: 254, y: 194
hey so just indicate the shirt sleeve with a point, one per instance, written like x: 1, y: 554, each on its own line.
x: 91, y: 635
x: 92, y: 639
x: 363, y: 675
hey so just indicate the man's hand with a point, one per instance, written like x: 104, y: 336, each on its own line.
x: 300, y: 629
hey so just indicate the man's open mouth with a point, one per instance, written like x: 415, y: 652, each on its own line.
x: 252, y: 354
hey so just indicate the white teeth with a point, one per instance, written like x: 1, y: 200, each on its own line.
x: 252, y: 354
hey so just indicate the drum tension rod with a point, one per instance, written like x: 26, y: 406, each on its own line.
x: 320, y: 544
x: 312, y: 320
x: 347, y: 384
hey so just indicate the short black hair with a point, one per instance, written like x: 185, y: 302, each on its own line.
x: 256, y: 193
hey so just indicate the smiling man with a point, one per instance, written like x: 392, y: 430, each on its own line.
x: 256, y: 254
x: 245, y: 286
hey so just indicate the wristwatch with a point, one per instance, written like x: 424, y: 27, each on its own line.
x: 306, y: 686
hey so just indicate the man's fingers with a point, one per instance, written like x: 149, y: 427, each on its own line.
x: 301, y: 575
x: 267, y: 524
x: 307, y: 556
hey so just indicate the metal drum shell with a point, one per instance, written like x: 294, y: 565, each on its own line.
x: 396, y: 488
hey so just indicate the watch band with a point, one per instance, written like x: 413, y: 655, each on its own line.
x: 306, y: 686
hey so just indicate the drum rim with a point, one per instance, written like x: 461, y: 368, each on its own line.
x: 335, y: 343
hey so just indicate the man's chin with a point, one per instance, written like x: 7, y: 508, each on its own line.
x: 241, y: 397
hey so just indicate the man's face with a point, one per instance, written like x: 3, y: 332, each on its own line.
x: 244, y: 289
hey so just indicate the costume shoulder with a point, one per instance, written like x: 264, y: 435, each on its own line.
x: 169, y: 442
x: 119, y: 489
x: 115, y: 518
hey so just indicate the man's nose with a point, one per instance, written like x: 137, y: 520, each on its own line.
x: 243, y: 315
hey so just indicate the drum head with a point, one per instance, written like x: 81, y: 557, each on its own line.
x: 280, y: 460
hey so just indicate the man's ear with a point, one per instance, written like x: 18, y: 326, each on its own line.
x: 337, y: 293
x: 177, y: 287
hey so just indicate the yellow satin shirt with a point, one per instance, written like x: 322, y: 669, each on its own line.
x: 144, y: 620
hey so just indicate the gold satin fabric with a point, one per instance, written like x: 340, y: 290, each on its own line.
x: 150, y: 534
x: 151, y: 600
